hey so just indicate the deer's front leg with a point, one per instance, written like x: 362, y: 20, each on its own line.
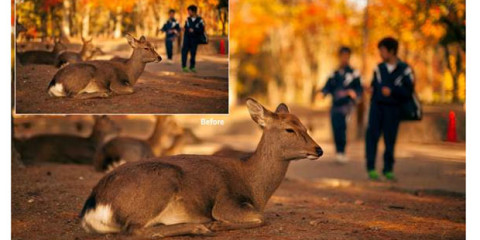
x: 92, y: 95
x: 161, y: 231
x: 121, y: 87
x: 230, y: 214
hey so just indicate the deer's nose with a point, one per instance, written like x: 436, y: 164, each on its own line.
x: 159, y: 58
x: 319, y: 151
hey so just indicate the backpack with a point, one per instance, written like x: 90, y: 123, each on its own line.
x: 411, y: 110
x: 202, y: 39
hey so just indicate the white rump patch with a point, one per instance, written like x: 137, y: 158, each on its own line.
x: 56, y: 90
x: 100, y: 220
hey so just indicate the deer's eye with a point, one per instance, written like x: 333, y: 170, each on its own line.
x: 289, y: 130
x: 147, y: 49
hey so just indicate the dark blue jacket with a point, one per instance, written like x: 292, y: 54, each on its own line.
x: 340, y: 81
x: 170, y: 25
x: 400, y: 82
x: 198, y: 27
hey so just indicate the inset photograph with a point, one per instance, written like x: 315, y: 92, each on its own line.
x: 121, y: 57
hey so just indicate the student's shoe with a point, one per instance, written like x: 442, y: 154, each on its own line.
x: 185, y: 70
x: 341, y: 158
x: 169, y: 61
x: 390, y: 176
x: 193, y: 70
x: 373, y: 175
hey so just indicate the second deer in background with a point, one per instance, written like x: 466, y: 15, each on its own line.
x: 86, y: 53
x: 167, y: 139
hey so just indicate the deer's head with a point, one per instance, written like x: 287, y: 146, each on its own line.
x: 104, y: 129
x: 285, y: 132
x: 87, y: 45
x: 145, y: 48
x: 59, y: 46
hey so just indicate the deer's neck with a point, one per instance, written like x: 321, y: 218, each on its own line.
x: 98, y: 137
x: 265, y: 171
x: 83, y: 52
x: 135, y: 66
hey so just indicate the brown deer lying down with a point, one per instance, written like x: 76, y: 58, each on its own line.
x: 194, y: 194
x: 41, y: 57
x: 167, y: 139
x: 62, y: 148
x: 101, y: 78
x: 86, y: 53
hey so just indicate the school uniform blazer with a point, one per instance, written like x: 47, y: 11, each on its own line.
x: 400, y: 81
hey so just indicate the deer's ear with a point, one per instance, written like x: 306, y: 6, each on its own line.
x: 258, y: 113
x: 282, y: 108
x: 131, y: 40
x: 143, y: 39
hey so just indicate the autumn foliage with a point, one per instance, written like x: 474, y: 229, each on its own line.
x: 289, y: 47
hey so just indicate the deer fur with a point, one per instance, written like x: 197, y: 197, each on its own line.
x: 102, y: 78
x: 195, y: 194
x: 64, y: 148
x: 41, y: 57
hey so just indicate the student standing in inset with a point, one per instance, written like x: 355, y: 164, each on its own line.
x: 345, y: 87
x: 194, y: 29
x: 171, y: 29
x: 392, y: 85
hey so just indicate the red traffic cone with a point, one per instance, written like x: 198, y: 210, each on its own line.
x: 222, y: 47
x: 452, y: 127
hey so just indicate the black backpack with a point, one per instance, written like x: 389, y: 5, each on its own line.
x: 411, y: 110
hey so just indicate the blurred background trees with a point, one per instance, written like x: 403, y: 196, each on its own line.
x: 113, y: 18
x: 283, y: 50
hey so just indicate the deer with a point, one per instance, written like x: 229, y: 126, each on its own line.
x: 101, y: 78
x: 42, y: 57
x: 200, y: 194
x: 167, y: 139
x: 65, y: 148
x: 86, y: 53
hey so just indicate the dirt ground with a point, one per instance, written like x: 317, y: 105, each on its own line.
x: 162, y: 88
x: 47, y: 199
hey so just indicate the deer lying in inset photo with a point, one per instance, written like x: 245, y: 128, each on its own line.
x: 101, y: 78
x: 86, y: 53
x: 194, y: 194
x: 167, y: 139
x: 64, y: 148
x: 41, y: 57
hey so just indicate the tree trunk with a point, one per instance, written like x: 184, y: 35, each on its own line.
x: 361, y: 108
x: 86, y: 21
x: 118, y: 23
x: 66, y: 19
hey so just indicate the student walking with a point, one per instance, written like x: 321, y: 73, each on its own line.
x: 392, y: 85
x: 194, y: 30
x: 345, y: 87
x: 171, y: 29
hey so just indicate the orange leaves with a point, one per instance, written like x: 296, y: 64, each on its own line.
x: 115, y: 5
x: 47, y: 4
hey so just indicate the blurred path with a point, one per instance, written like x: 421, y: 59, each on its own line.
x: 434, y: 168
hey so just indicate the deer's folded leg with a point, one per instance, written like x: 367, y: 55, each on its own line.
x: 92, y: 95
x: 224, y: 226
x: 122, y: 88
x: 230, y: 214
x: 173, y: 230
